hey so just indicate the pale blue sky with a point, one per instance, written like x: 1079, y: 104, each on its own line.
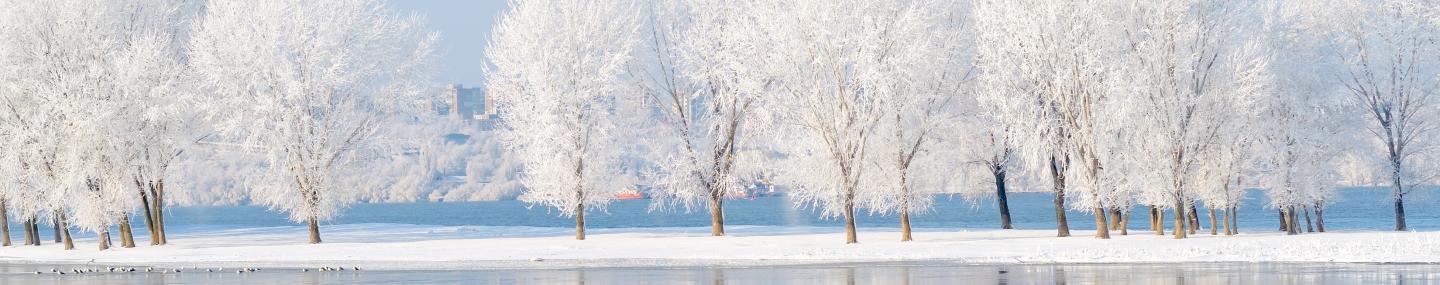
x: 464, y: 27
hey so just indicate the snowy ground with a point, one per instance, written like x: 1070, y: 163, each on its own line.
x: 396, y: 246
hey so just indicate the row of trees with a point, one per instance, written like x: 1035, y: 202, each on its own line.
x: 878, y: 105
x: 853, y: 105
x: 101, y: 99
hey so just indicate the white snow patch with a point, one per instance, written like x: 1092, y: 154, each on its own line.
x: 396, y: 246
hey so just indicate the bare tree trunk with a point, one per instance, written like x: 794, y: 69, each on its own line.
x: 1284, y: 222
x: 1213, y: 230
x: 1398, y: 189
x: 1062, y: 227
x: 1155, y: 219
x: 717, y: 214
x: 1319, y: 217
x: 55, y: 221
x: 1102, y: 227
x: 1194, y: 218
x: 65, y: 227
x: 127, y: 236
x: 1125, y: 222
x: 1159, y: 221
x: 35, y: 229
x: 1399, y: 213
x: 1180, y: 220
x: 1002, y: 200
x: 314, y: 230
x: 580, y: 221
x: 1234, y: 220
x: 4, y: 223
x: 1309, y: 226
x: 149, y: 214
x: 905, y: 226
x: 850, y: 223
x: 1292, y: 222
x: 29, y: 225
x: 104, y: 240
x: 1117, y: 219
x: 1228, y: 230
x: 159, y: 193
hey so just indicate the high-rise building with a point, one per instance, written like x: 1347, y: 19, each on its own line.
x: 467, y: 103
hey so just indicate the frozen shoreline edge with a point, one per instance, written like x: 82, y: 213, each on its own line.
x: 639, y: 263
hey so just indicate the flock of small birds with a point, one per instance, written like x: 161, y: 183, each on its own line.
x: 244, y: 270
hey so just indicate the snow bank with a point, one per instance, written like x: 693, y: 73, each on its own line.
x: 395, y: 246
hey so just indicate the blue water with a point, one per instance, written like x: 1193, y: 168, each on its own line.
x: 1357, y: 209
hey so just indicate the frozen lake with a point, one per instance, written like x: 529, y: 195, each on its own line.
x: 864, y: 273
x: 1356, y: 209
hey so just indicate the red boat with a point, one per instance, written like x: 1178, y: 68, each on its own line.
x: 629, y: 194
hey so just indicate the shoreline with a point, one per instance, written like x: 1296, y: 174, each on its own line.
x: 420, y: 247
x: 621, y: 264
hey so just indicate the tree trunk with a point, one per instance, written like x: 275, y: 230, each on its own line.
x: 1157, y: 222
x: 149, y: 214
x: 4, y: 223
x: 127, y: 236
x: 717, y: 214
x: 1180, y: 219
x: 314, y: 230
x: 1228, y: 230
x: 55, y: 221
x: 1292, y: 222
x: 1125, y: 222
x: 1194, y: 217
x: 1234, y: 220
x: 1319, y: 218
x: 1309, y: 226
x: 104, y: 240
x: 850, y: 224
x: 1117, y: 219
x: 159, y: 193
x: 1284, y: 222
x: 1102, y: 227
x: 35, y: 229
x: 1062, y: 227
x: 1399, y: 212
x: 1398, y: 189
x: 580, y: 221
x: 1213, y: 230
x: 1002, y: 201
x: 29, y: 226
x: 905, y: 226
x: 65, y: 228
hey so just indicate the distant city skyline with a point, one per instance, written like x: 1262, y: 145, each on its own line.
x: 464, y: 27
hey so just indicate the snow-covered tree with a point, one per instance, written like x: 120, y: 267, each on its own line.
x: 557, y: 73
x: 309, y: 84
x: 691, y: 62
x: 834, y: 71
x: 1302, y: 158
x: 1299, y: 142
x: 1390, y: 72
x: 93, y: 71
x: 925, y: 68
x: 1231, y: 166
x: 1192, y: 68
x: 149, y: 114
x: 989, y: 151
x: 1050, y: 64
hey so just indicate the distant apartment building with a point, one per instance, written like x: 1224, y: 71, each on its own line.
x: 466, y: 103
